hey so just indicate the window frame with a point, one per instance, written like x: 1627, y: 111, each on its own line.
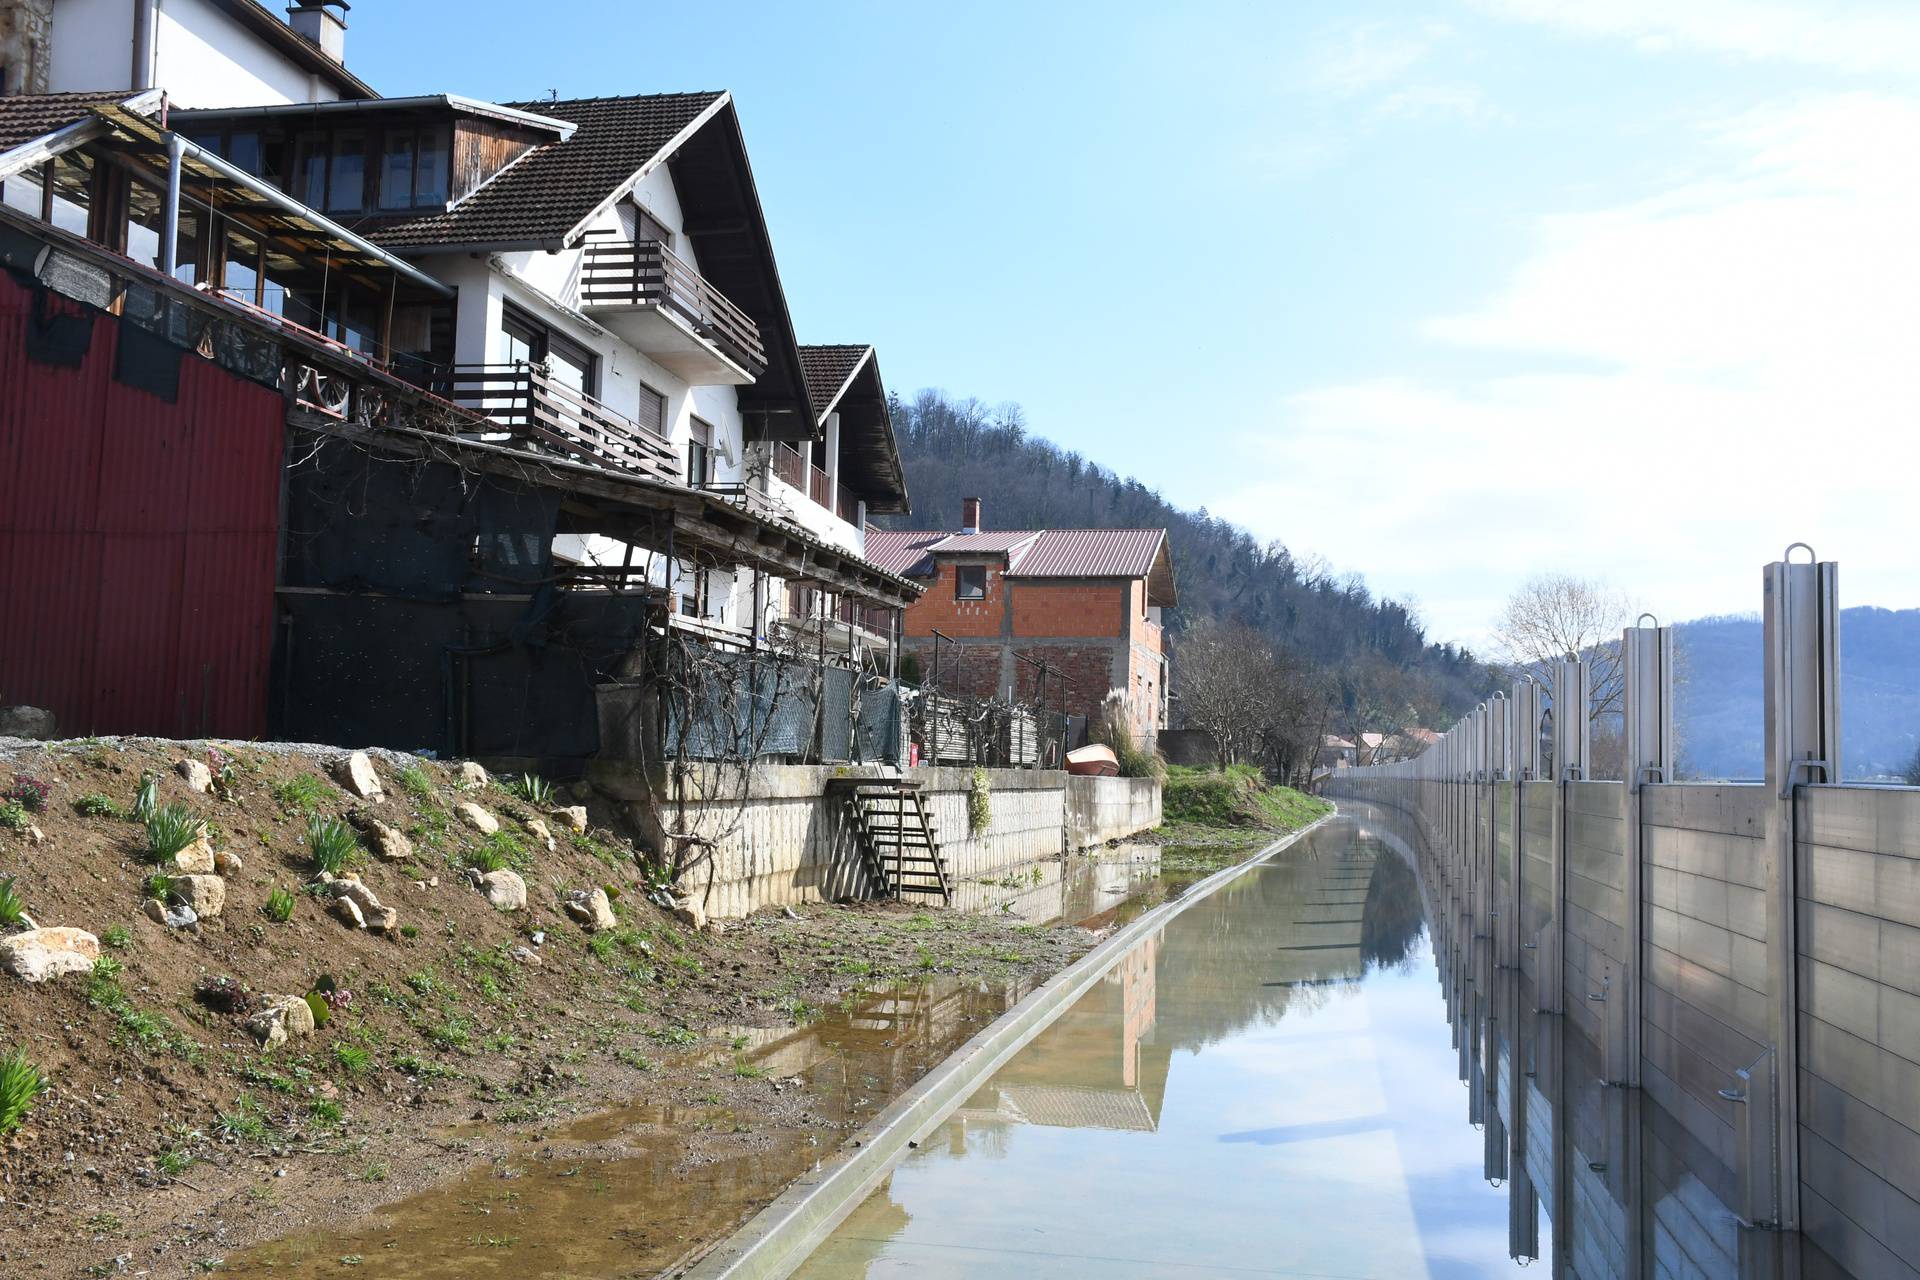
x: 960, y: 574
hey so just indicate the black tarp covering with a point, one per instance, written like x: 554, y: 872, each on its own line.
x: 360, y: 522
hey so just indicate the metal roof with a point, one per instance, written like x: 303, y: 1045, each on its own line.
x: 1039, y: 553
x: 902, y: 551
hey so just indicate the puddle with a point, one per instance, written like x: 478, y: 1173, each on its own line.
x: 1072, y: 891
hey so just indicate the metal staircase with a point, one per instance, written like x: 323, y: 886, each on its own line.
x: 898, y: 841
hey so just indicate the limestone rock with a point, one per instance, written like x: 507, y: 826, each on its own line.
x: 198, y: 777
x: 349, y: 913
x: 280, y: 1019
x: 357, y: 776
x: 357, y: 905
x: 228, y: 864
x: 390, y: 844
x: 473, y: 775
x: 504, y: 890
x: 526, y: 956
x: 477, y: 818
x: 196, y: 859
x: 592, y: 909
x: 204, y: 895
x: 539, y: 831
x: 27, y: 722
x: 574, y: 817
x: 40, y: 954
x: 174, y: 917
x: 690, y: 913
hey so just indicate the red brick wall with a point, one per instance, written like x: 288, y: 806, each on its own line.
x: 937, y: 610
x: 1069, y: 609
x: 1087, y: 667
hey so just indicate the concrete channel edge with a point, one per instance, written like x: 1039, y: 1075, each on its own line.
x: 774, y: 1242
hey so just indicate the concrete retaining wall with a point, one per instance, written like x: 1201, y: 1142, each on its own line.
x: 778, y: 838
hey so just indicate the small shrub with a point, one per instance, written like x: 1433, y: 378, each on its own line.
x: 279, y: 906
x: 12, y: 906
x: 13, y: 815
x: 303, y: 793
x: 160, y: 885
x: 226, y: 995
x: 146, y: 801
x: 533, y: 788
x: 170, y: 828
x: 96, y: 805
x: 28, y: 792
x: 20, y: 1083
x: 117, y: 936
x: 331, y: 843
x: 409, y: 931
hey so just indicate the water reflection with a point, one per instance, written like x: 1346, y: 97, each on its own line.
x: 1260, y: 1088
x: 1085, y: 889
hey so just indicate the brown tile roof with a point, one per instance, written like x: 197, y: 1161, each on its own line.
x: 27, y: 116
x: 828, y: 367
x: 547, y: 192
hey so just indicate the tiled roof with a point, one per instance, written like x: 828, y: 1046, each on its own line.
x: 547, y: 192
x: 827, y: 368
x: 902, y: 551
x: 27, y: 116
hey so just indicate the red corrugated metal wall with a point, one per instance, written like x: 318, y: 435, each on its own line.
x: 137, y: 540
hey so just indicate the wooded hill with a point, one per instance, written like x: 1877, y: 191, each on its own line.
x: 954, y: 449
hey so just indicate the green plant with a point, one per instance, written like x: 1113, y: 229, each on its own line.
x: 117, y: 936
x: 499, y: 851
x: 13, y: 908
x: 20, y: 1083
x: 160, y: 885
x: 173, y: 1162
x: 95, y: 805
x: 322, y: 1011
x: 28, y: 792
x: 326, y: 1111
x: 13, y: 816
x: 352, y: 1058
x: 377, y: 1171
x: 533, y: 788
x: 331, y: 843
x: 170, y: 829
x: 415, y: 781
x: 979, y: 802
x: 409, y: 931
x: 302, y: 794
x: 279, y: 906
x: 146, y: 801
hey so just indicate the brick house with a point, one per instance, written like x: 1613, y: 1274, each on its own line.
x: 1083, y: 604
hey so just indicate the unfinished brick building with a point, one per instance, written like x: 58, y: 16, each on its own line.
x: 1080, y: 606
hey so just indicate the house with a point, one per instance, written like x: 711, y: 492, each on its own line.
x: 474, y: 407
x: 1069, y: 618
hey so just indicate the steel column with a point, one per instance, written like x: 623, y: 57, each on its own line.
x: 1646, y: 657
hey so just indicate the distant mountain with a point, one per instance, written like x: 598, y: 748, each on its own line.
x: 1717, y: 706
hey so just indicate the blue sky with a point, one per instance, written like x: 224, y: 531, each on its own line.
x: 1446, y: 294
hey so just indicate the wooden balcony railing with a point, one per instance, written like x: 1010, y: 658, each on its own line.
x: 820, y: 486
x: 645, y: 273
x: 790, y: 466
x: 526, y: 401
x: 847, y: 507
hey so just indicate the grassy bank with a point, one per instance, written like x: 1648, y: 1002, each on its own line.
x: 1215, y: 817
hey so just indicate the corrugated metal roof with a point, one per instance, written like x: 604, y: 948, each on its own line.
x: 1009, y: 542
x: 1090, y: 553
x: 902, y: 551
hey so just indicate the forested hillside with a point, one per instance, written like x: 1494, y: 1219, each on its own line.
x: 955, y: 449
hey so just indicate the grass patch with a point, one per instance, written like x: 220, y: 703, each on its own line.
x: 353, y: 1059
x: 331, y: 844
x: 170, y: 828
x: 279, y: 905
x: 13, y: 908
x: 20, y: 1083
x: 1233, y: 806
x: 302, y: 794
x: 117, y: 937
x: 415, y: 781
x: 500, y: 851
x: 96, y: 805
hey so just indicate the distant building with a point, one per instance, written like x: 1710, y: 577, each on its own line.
x: 1067, y: 617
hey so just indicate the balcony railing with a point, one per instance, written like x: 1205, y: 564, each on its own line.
x: 645, y: 273
x: 797, y: 470
x: 526, y: 401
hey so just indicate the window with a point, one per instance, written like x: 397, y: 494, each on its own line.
x: 700, y: 455
x: 652, y: 411
x: 413, y: 168
x: 396, y: 171
x: 430, y: 168
x: 528, y: 342
x: 347, y: 184
x: 647, y: 227
x: 310, y: 170
x: 969, y: 582
x: 696, y: 593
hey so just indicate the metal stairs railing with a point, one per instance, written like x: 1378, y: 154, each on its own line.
x: 898, y: 839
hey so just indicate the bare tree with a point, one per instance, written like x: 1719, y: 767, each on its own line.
x: 1554, y: 617
x: 1374, y: 697
x: 1221, y: 673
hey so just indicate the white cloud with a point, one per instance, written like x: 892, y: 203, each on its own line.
x: 1367, y: 55
x: 1427, y: 101
x: 1699, y: 377
x: 1851, y: 36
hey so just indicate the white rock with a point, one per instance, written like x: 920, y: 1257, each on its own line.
x: 505, y: 890
x: 592, y: 909
x: 366, y: 910
x: 349, y: 912
x: 574, y: 817
x: 281, y: 1018
x: 204, y: 895
x: 538, y: 830
x: 690, y: 913
x: 198, y: 777
x: 473, y: 775
x: 39, y: 954
x: 389, y: 843
x: 197, y: 858
x: 524, y: 955
x: 477, y: 818
x: 357, y: 776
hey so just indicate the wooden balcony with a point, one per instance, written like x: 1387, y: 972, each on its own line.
x: 525, y: 402
x: 665, y: 308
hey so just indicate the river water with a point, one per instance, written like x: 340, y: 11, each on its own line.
x: 1265, y: 1086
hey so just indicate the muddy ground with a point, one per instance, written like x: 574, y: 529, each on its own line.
x: 169, y: 1140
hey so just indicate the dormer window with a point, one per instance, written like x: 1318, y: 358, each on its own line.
x: 413, y: 168
x: 969, y: 582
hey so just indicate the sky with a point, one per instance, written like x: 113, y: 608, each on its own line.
x: 1447, y: 295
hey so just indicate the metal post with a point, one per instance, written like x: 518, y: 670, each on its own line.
x: 170, y: 232
x: 1525, y: 714
x: 1646, y: 656
x: 1802, y: 682
x: 1570, y: 749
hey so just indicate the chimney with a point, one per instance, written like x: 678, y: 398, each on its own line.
x: 321, y: 26
x: 970, y: 515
